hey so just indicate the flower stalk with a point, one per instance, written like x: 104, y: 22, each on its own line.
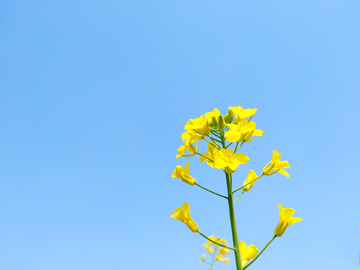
x: 216, y: 243
x: 233, y: 222
x: 211, y: 191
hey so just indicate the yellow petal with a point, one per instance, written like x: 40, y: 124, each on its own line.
x: 284, y: 173
x: 242, y: 246
x: 181, y: 151
x: 258, y: 132
x: 251, y: 252
x: 294, y: 220
x: 275, y: 157
x: 232, y: 136
x: 187, y: 166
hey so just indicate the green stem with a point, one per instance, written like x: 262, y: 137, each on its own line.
x: 248, y: 183
x: 213, y: 139
x: 228, y: 145
x: 237, y: 143
x: 233, y: 222
x: 239, y: 197
x: 213, y: 258
x: 260, y: 252
x: 205, y: 157
x: 216, y: 134
x: 210, y: 191
x: 217, y: 147
x: 216, y: 243
x: 232, y: 215
x: 239, y: 147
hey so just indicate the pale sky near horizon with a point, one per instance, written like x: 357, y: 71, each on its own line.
x: 94, y: 97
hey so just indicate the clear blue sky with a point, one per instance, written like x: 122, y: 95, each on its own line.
x: 94, y: 97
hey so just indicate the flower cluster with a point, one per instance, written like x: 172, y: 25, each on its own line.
x: 224, y: 136
x: 215, y: 250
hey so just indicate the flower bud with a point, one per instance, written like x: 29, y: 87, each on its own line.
x: 221, y: 122
x: 229, y: 117
x: 214, y: 123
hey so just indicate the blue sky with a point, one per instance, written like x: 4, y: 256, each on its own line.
x: 94, y: 97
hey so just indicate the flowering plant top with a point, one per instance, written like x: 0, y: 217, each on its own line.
x: 225, y: 135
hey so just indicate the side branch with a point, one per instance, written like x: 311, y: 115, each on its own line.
x: 205, y: 157
x: 247, y: 184
x: 239, y: 197
x: 217, y: 147
x: 216, y: 243
x: 260, y: 252
x: 211, y: 191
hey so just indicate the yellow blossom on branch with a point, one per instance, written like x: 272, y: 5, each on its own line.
x: 183, y: 214
x: 226, y: 159
x: 188, y: 140
x: 216, y: 250
x: 286, y: 219
x: 241, y: 114
x: 275, y: 165
x: 243, y: 130
x: 247, y: 253
x: 223, y: 251
x: 251, y: 177
x: 220, y: 258
x: 183, y: 174
x: 210, y: 155
x: 198, y: 126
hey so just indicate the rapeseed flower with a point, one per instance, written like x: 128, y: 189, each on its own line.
x: 286, y: 219
x: 183, y: 214
x: 251, y: 177
x: 275, y: 165
x: 198, y: 126
x: 217, y: 251
x: 210, y: 155
x: 243, y: 130
x: 220, y: 258
x: 226, y: 158
x: 183, y: 174
x: 247, y: 253
x: 241, y: 114
x: 188, y: 139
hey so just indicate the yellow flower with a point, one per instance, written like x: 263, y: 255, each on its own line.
x: 226, y: 158
x: 275, y: 165
x: 188, y: 139
x: 243, y: 130
x: 212, y: 152
x: 251, y: 177
x: 215, y: 119
x: 241, y: 114
x: 247, y: 253
x: 183, y: 174
x: 223, y: 251
x: 183, y: 214
x: 207, y: 245
x: 221, y: 259
x: 286, y: 219
x: 203, y: 257
x: 198, y: 126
